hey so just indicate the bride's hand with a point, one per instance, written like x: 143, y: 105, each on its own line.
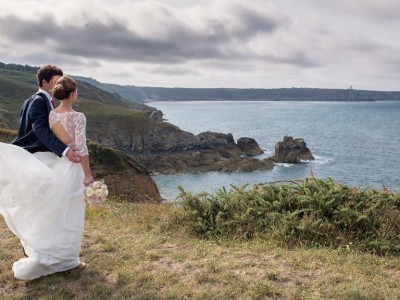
x: 73, y: 155
x: 88, y: 179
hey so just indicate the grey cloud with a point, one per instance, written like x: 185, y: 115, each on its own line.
x: 251, y: 22
x: 254, y: 21
x: 299, y: 58
x: 22, y: 31
x: 116, y: 42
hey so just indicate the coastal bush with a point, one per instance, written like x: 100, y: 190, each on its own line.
x: 308, y: 212
x: 103, y: 155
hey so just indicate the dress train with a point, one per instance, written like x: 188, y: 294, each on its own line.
x: 41, y: 200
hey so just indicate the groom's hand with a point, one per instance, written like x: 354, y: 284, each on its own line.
x: 73, y: 155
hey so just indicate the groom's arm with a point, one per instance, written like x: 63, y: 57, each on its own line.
x: 38, y: 113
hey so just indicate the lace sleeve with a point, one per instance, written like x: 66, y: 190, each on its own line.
x: 53, y: 119
x: 80, y: 135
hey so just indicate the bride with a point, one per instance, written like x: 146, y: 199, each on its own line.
x: 41, y: 194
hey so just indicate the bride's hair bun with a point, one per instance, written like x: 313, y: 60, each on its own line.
x: 64, y: 86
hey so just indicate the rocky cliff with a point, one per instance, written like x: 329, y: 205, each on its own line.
x: 165, y: 149
x: 124, y: 176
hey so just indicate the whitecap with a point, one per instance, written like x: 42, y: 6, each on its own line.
x: 285, y: 165
x: 321, y: 160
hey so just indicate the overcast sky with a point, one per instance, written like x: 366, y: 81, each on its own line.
x: 210, y: 43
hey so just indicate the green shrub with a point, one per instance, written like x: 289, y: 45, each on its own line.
x: 100, y: 154
x: 311, y: 212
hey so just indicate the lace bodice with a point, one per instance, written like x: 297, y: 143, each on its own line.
x: 75, y: 125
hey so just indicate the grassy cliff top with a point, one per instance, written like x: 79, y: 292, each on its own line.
x: 134, y: 251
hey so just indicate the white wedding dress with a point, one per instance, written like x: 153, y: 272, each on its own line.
x: 41, y: 200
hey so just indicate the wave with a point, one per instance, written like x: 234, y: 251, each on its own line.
x: 321, y: 160
x: 285, y: 165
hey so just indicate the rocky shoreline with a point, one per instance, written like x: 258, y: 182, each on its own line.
x: 224, y: 157
x: 163, y: 148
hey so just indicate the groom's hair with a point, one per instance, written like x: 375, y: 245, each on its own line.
x: 47, y: 73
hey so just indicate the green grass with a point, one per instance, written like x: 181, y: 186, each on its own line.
x: 139, y: 251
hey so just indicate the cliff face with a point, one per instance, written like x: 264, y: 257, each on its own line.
x: 124, y: 176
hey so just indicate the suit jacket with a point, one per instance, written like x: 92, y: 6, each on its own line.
x: 34, y: 134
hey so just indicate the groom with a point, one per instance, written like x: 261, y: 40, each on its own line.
x: 34, y: 134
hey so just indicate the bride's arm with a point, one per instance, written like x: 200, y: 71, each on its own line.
x: 60, y: 132
x: 80, y: 140
x: 86, y: 170
x: 58, y: 129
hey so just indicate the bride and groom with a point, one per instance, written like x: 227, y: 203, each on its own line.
x: 42, y: 178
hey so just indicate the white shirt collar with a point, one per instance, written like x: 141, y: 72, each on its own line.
x: 46, y: 93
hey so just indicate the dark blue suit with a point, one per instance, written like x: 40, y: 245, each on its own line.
x: 34, y: 134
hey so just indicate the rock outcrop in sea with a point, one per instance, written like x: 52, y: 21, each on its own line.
x: 249, y: 146
x: 156, y: 115
x: 292, y: 150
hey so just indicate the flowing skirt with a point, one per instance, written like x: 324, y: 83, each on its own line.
x: 41, y: 200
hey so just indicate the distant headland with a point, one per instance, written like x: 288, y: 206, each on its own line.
x: 144, y: 94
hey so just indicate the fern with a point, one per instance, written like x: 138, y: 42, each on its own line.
x: 312, y: 211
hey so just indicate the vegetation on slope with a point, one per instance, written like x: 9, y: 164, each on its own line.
x: 7, y: 135
x: 111, y: 119
x: 310, y: 212
x: 17, y: 83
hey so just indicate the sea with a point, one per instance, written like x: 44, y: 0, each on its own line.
x: 355, y: 143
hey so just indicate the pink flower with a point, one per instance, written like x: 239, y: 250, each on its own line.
x: 96, y: 192
x: 96, y: 185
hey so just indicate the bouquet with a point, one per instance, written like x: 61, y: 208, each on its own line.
x: 96, y: 192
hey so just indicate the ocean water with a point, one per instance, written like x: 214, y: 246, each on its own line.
x: 355, y: 143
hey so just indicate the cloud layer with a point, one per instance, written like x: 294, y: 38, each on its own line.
x: 210, y: 43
